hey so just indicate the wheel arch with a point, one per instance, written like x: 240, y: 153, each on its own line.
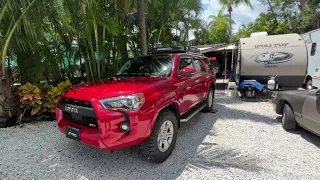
x: 173, y: 106
x: 280, y: 106
x: 306, y: 79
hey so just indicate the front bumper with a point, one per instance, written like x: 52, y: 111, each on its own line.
x: 108, y: 135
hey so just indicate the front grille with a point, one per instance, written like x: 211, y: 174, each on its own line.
x: 83, y: 120
x: 77, y: 102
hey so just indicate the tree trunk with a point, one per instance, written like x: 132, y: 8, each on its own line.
x: 95, y: 27
x: 272, y: 11
x: 142, y: 27
x: 8, y: 105
x: 230, y: 21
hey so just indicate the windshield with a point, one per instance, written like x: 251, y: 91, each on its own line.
x: 148, y: 66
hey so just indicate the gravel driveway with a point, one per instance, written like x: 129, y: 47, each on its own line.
x: 242, y: 141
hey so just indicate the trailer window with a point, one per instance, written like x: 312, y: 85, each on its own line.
x: 313, y: 49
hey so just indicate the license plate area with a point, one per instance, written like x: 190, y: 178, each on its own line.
x: 73, y: 133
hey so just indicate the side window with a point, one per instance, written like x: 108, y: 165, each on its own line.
x: 313, y: 49
x: 185, y: 62
x: 198, y: 65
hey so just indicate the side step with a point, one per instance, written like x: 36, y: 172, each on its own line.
x: 192, y: 113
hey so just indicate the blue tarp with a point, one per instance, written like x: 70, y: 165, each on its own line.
x: 254, y: 84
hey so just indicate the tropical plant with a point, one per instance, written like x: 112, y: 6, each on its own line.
x: 41, y: 98
x: 230, y: 4
x: 219, y: 25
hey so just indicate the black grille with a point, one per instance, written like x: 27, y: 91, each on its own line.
x: 83, y: 120
x: 77, y: 102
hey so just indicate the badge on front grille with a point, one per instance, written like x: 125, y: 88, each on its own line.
x: 92, y: 125
x: 71, y: 109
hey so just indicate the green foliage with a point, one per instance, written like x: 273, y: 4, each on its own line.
x: 30, y: 97
x: 42, y: 98
x: 219, y: 27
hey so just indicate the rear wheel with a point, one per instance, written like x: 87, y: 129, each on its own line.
x: 162, y: 140
x: 288, y: 120
x: 209, y: 101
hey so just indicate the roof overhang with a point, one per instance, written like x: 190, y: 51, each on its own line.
x: 219, y: 48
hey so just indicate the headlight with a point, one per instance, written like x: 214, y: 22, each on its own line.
x: 131, y: 102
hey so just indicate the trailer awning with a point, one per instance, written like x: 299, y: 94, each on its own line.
x: 219, y: 48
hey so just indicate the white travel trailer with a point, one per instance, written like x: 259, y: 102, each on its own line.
x: 262, y: 56
x: 312, y: 79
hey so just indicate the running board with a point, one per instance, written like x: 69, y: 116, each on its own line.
x: 192, y: 113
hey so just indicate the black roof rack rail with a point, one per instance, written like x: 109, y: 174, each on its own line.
x: 168, y: 49
x: 175, y: 49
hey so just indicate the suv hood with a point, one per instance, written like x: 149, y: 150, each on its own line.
x: 115, y: 87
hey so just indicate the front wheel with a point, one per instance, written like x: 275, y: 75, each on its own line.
x: 288, y: 120
x: 162, y: 140
x: 209, y: 100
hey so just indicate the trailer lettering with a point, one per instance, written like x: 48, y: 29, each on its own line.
x: 271, y: 45
x: 263, y: 45
x: 281, y: 45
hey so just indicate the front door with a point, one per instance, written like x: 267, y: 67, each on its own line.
x: 311, y: 113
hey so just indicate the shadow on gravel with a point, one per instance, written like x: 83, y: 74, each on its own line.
x: 305, y: 134
x: 308, y: 136
x: 240, y: 115
x: 223, y: 158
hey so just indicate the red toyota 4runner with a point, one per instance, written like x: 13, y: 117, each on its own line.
x: 143, y: 104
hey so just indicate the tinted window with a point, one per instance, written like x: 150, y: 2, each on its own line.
x: 185, y: 62
x: 148, y: 66
x: 198, y: 65
x: 313, y: 49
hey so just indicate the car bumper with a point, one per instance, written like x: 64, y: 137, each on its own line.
x: 108, y: 135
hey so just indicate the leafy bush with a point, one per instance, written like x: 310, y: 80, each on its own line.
x: 30, y: 98
x: 42, y: 98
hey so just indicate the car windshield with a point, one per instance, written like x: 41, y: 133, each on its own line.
x: 160, y: 66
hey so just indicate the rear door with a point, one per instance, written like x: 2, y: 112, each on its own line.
x: 200, y: 78
x: 186, y: 88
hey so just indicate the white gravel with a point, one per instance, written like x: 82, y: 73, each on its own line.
x: 242, y: 141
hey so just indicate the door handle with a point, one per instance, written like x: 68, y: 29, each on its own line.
x: 197, y: 80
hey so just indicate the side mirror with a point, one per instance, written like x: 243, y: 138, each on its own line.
x: 318, y: 94
x: 187, y: 72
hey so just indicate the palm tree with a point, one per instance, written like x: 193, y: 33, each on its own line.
x: 219, y: 28
x: 142, y: 26
x: 234, y: 3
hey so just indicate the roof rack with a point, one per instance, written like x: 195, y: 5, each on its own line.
x: 175, y: 49
x: 168, y: 49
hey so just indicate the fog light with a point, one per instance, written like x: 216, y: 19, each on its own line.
x: 125, y: 127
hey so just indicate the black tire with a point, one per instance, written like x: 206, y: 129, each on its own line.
x: 288, y: 120
x: 150, y: 149
x: 208, y: 107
